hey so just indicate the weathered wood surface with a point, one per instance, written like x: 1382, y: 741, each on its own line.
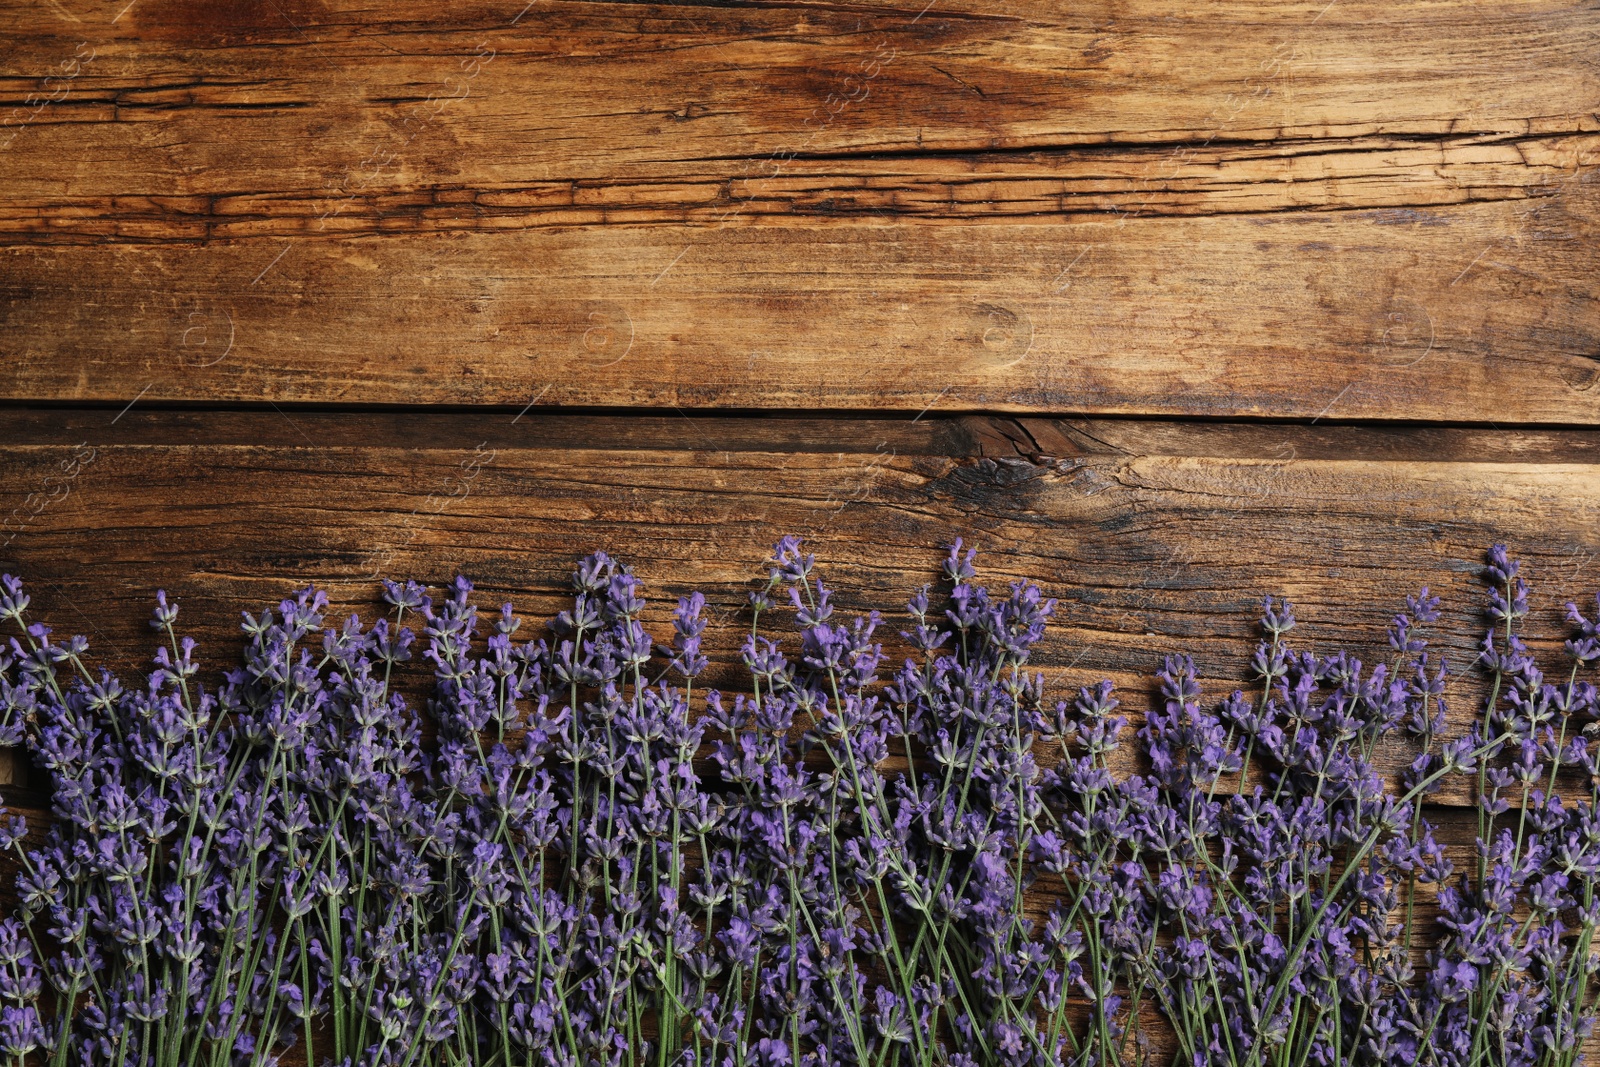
x: 1156, y: 537
x: 1242, y: 210
x: 977, y: 217
x: 172, y: 90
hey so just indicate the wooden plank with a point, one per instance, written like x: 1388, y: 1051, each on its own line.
x: 1426, y: 315
x: 165, y: 94
x: 1111, y: 210
x: 1154, y: 548
x: 1048, y: 187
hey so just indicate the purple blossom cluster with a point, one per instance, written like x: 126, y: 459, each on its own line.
x: 571, y: 853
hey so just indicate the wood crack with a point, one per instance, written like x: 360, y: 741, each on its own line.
x: 1275, y: 147
x: 1372, y: 175
x: 38, y: 227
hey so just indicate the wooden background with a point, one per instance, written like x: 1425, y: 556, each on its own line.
x: 1164, y: 306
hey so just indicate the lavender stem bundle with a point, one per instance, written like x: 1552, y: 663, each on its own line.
x: 575, y: 853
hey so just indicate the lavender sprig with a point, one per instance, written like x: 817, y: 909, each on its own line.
x: 571, y: 852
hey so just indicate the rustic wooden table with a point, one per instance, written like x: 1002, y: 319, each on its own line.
x: 1165, y: 306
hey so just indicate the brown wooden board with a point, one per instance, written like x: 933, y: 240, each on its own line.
x: 186, y: 97
x: 1156, y: 538
x: 1131, y: 208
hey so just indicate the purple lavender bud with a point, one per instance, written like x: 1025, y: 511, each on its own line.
x: 13, y: 602
x: 21, y: 1031
x: 1277, y: 618
x: 165, y: 614
x: 408, y: 596
x: 958, y: 568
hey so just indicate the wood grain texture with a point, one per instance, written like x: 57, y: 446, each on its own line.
x: 1087, y: 185
x: 1343, y: 315
x: 1112, y: 209
x: 509, y: 89
x: 1156, y: 538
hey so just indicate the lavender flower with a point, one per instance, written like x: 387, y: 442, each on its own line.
x: 574, y: 852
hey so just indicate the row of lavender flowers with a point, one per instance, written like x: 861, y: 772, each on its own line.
x: 583, y: 859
